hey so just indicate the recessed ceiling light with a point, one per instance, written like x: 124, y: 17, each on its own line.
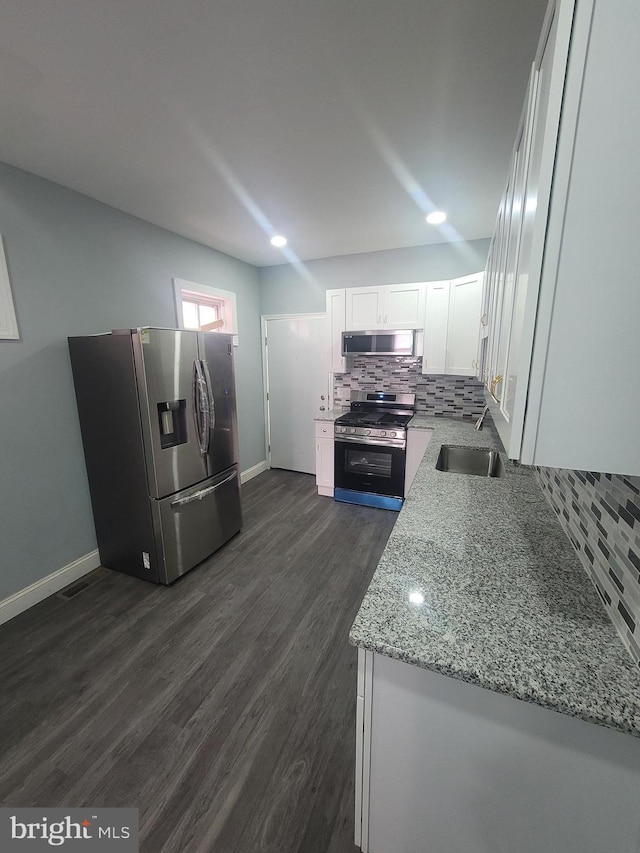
x: 278, y: 241
x: 436, y: 217
x: 416, y: 597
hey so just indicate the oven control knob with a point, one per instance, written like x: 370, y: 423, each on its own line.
x: 392, y: 434
x: 351, y: 429
x: 383, y: 432
x: 367, y: 432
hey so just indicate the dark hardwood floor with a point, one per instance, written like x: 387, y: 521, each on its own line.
x: 222, y: 707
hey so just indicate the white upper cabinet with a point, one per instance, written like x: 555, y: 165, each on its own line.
x: 504, y: 288
x: 463, y: 327
x: 515, y: 261
x: 391, y: 306
x: 436, y: 325
x: 452, y: 325
x: 336, y: 302
x: 570, y: 362
x: 364, y: 308
x: 403, y: 306
x: 448, y: 311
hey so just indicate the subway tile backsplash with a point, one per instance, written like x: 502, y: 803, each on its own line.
x: 600, y: 514
x: 440, y: 396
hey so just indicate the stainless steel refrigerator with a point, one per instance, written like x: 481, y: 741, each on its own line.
x: 159, y: 429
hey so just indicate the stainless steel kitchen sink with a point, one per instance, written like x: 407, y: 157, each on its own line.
x: 470, y: 460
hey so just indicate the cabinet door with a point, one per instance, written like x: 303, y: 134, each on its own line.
x: 497, y: 295
x: 364, y: 308
x: 513, y: 298
x: 473, y: 771
x: 324, y: 457
x: 403, y: 306
x: 463, y: 326
x: 435, y: 327
x: 485, y: 317
x: 544, y: 116
x: 512, y: 208
x: 336, y: 302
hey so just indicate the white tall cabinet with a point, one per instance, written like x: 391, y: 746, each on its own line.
x: 562, y: 354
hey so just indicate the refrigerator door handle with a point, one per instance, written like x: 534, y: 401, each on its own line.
x: 198, y: 496
x: 201, y: 406
x: 210, y: 397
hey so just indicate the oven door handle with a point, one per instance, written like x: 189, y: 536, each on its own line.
x: 378, y: 442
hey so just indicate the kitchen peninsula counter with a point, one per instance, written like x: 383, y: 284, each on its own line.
x: 507, y: 605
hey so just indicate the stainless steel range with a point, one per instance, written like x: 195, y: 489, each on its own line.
x: 370, y: 449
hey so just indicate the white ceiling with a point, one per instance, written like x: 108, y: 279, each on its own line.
x: 338, y: 123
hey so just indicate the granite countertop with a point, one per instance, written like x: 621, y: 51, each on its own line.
x: 331, y: 415
x: 507, y: 605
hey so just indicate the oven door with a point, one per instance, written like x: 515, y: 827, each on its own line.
x: 364, y: 467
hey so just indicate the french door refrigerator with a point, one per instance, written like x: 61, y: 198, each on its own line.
x: 159, y: 429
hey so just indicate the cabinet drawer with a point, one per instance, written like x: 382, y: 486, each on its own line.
x: 324, y: 429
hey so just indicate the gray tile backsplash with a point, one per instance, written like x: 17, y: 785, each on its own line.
x: 600, y: 514
x: 440, y: 396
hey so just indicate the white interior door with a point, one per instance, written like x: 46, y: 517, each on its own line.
x: 297, y: 379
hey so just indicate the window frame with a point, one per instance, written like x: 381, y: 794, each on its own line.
x: 9, y: 330
x: 228, y: 296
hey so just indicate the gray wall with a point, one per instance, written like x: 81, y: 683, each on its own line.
x: 301, y: 288
x: 79, y: 267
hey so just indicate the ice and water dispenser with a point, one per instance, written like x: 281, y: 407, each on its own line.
x: 172, y: 417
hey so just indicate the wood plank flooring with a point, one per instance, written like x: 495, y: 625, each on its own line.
x: 222, y: 707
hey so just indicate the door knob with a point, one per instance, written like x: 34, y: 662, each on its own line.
x: 322, y: 396
x: 322, y: 408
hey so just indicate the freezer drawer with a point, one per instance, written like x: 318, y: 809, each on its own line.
x: 195, y: 522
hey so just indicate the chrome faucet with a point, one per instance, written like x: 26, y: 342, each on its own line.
x: 482, y: 417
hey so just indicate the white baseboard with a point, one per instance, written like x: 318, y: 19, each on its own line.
x: 30, y: 595
x: 252, y: 472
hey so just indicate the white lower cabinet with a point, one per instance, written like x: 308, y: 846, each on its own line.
x: 324, y: 458
x: 448, y: 767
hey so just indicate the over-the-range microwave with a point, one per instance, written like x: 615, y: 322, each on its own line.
x: 381, y: 342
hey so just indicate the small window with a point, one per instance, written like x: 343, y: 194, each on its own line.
x: 205, y: 308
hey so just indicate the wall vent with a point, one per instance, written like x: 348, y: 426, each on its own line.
x: 83, y: 583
